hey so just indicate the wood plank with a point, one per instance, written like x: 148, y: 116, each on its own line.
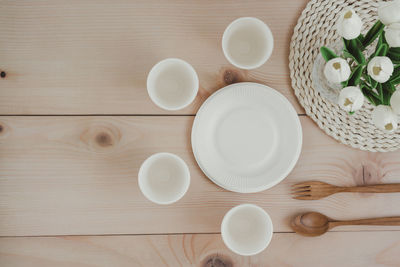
x: 80, y: 57
x: 78, y: 175
x: 334, y: 249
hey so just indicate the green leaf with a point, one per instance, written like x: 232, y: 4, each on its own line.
x: 327, y: 54
x: 395, y: 78
x: 355, y: 76
x: 370, y: 81
x: 360, y: 38
x: 367, y: 79
x: 396, y: 71
x: 388, y: 90
x: 354, y: 49
x: 395, y: 50
x: 395, y: 81
x: 359, y: 44
x: 395, y: 60
x: 394, y: 54
x: 388, y: 87
x: 346, y: 54
x: 373, y: 83
x: 382, y: 50
x: 381, y: 39
x: 344, y: 84
x: 373, y: 33
x: 345, y: 44
x: 380, y: 91
x: 372, y: 97
x: 386, y: 98
x: 352, y: 44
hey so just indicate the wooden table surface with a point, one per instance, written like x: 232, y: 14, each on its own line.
x: 76, y: 123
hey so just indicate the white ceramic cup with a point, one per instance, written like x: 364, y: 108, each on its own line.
x: 164, y: 178
x: 247, y: 43
x: 172, y: 84
x: 246, y: 229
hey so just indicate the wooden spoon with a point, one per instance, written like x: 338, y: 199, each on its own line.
x: 314, y: 223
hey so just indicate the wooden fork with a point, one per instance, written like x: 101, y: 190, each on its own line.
x: 312, y: 190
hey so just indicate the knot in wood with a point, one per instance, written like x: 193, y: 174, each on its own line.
x: 101, y: 137
x: 104, y: 139
x: 231, y: 76
x: 217, y: 261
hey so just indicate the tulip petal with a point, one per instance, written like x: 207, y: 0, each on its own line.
x: 380, y: 68
x: 395, y: 102
x: 384, y: 118
x: 392, y: 34
x: 351, y: 98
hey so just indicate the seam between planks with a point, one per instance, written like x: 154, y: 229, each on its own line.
x: 202, y: 233
x: 105, y: 115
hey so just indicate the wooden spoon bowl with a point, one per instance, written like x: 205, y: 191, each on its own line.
x: 310, y: 224
x: 314, y: 223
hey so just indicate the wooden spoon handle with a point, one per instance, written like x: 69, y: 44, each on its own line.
x: 377, y: 188
x: 373, y: 221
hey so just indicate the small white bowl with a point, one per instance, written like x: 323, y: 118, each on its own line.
x: 172, y: 84
x: 246, y: 229
x: 247, y: 43
x: 164, y: 178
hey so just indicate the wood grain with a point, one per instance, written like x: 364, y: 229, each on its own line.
x: 81, y: 57
x: 331, y: 250
x: 78, y: 176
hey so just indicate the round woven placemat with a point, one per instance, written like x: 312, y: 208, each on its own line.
x: 315, y: 28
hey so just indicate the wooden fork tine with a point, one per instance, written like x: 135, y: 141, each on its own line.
x: 300, y: 187
x: 302, y: 192
x: 312, y: 190
x: 302, y: 197
x: 302, y: 184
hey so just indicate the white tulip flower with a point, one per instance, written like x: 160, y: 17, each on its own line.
x: 351, y: 98
x: 392, y: 34
x: 349, y: 24
x: 384, y: 118
x: 337, y: 70
x: 380, y: 69
x: 395, y: 101
x: 389, y: 12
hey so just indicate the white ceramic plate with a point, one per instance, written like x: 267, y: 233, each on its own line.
x: 246, y: 137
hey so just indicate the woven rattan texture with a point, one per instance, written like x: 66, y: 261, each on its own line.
x: 315, y: 28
